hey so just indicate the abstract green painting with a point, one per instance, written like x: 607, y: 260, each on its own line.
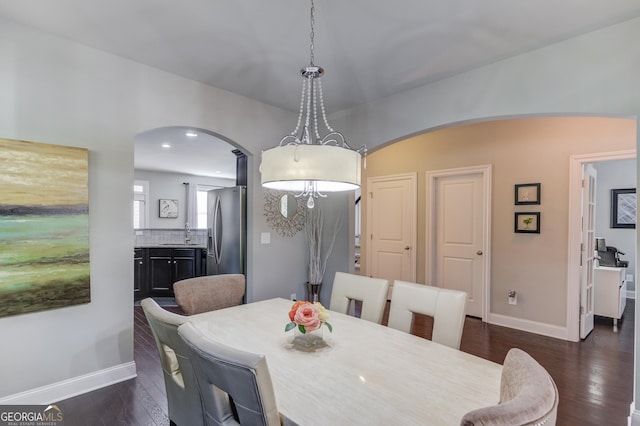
x: 44, y: 227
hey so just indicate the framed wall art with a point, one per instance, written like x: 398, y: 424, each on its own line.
x: 623, y: 208
x: 527, y: 222
x: 527, y: 194
x: 44, y: 227
x: 168, y: 208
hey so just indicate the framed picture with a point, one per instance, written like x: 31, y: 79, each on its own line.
x: 527, y: 222
x: 168, y: 208
x: 623, y: 208
x: 527, y: 193
x: 44, y: 227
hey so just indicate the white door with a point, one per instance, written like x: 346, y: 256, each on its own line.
x: 460, y: 240
x: 391, y: 223
x: 589, y: 178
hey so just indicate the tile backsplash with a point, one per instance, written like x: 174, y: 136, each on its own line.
x: 152, y: 237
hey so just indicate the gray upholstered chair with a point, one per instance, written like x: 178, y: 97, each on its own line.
x: 447, y: 307
x: 372, y: 292
x: 209, y: 293
x: 528, y: 396
x: 183, y: 396
x: 243, y: 376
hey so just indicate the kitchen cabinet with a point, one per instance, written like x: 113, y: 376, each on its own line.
x: 610, y: 288
x: 139, y: 273
x: 161, y: 267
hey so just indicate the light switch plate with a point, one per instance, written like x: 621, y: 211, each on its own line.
x: 629, y: 278
x: 265, y: 238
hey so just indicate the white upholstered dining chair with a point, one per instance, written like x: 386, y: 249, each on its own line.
x: 183, y: 396
x: 235, y: 386
x: 528, y: 396
x: 447, y: 307
x: 372, y: 292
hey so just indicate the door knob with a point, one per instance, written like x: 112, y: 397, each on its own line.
x: 407, y: 248
x: 479, y: 252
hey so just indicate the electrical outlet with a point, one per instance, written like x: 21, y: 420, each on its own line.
x: 629, y: 278
x: 513, y: 297
x: 293, y: 296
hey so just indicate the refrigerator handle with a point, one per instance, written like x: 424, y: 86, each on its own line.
x: 216, y: 240
x: 210, y: 242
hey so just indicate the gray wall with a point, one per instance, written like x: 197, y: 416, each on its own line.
x: 616, y: 175
x: 170, y: 186
x: 58, y: 92
x: 595, y: 73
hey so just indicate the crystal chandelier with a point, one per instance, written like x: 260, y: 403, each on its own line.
x: 305, y: 162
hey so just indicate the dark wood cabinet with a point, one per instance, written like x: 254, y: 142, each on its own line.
x: 160, y: 271
x: 164, y: 267
x: 185, y: 263
x: 139, y: 273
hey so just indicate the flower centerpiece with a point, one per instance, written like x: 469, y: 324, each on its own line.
x: 307, y: 317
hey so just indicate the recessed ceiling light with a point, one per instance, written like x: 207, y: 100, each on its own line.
x: 166, y: 145
x: 191, y: 134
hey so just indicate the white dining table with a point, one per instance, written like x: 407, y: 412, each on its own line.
x: 367, y: 374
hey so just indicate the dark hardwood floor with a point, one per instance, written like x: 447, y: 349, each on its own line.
x: 594, y: 377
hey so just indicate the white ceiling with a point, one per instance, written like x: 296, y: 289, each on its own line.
x: 368, y: 48
x: 200, y: 155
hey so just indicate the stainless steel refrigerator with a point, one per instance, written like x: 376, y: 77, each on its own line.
x: 227, y: 230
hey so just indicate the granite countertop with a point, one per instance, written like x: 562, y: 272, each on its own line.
x: 172, y: 245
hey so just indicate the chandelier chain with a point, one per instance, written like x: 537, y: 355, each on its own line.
x: 295, y: 131
x: 315, y: 109
x: 312, y: 34
x: 324, y: 114
x: 309, y: 99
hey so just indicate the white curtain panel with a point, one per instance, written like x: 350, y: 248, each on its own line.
x: 192, y: 204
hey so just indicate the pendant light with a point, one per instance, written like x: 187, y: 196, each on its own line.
x: 307, y: 161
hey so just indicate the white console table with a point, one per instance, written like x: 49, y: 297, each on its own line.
x: 610, y: 293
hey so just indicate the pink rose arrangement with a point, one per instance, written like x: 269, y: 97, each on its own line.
x: 307, y: 317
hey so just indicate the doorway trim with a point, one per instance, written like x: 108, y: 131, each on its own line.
x: 431, y: 235
x: 575, y: 231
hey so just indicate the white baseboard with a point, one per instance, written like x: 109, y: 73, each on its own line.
x: 634, y: 415
x: 530, y: 326
x: 75, y: 386
x: 631, y: 294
